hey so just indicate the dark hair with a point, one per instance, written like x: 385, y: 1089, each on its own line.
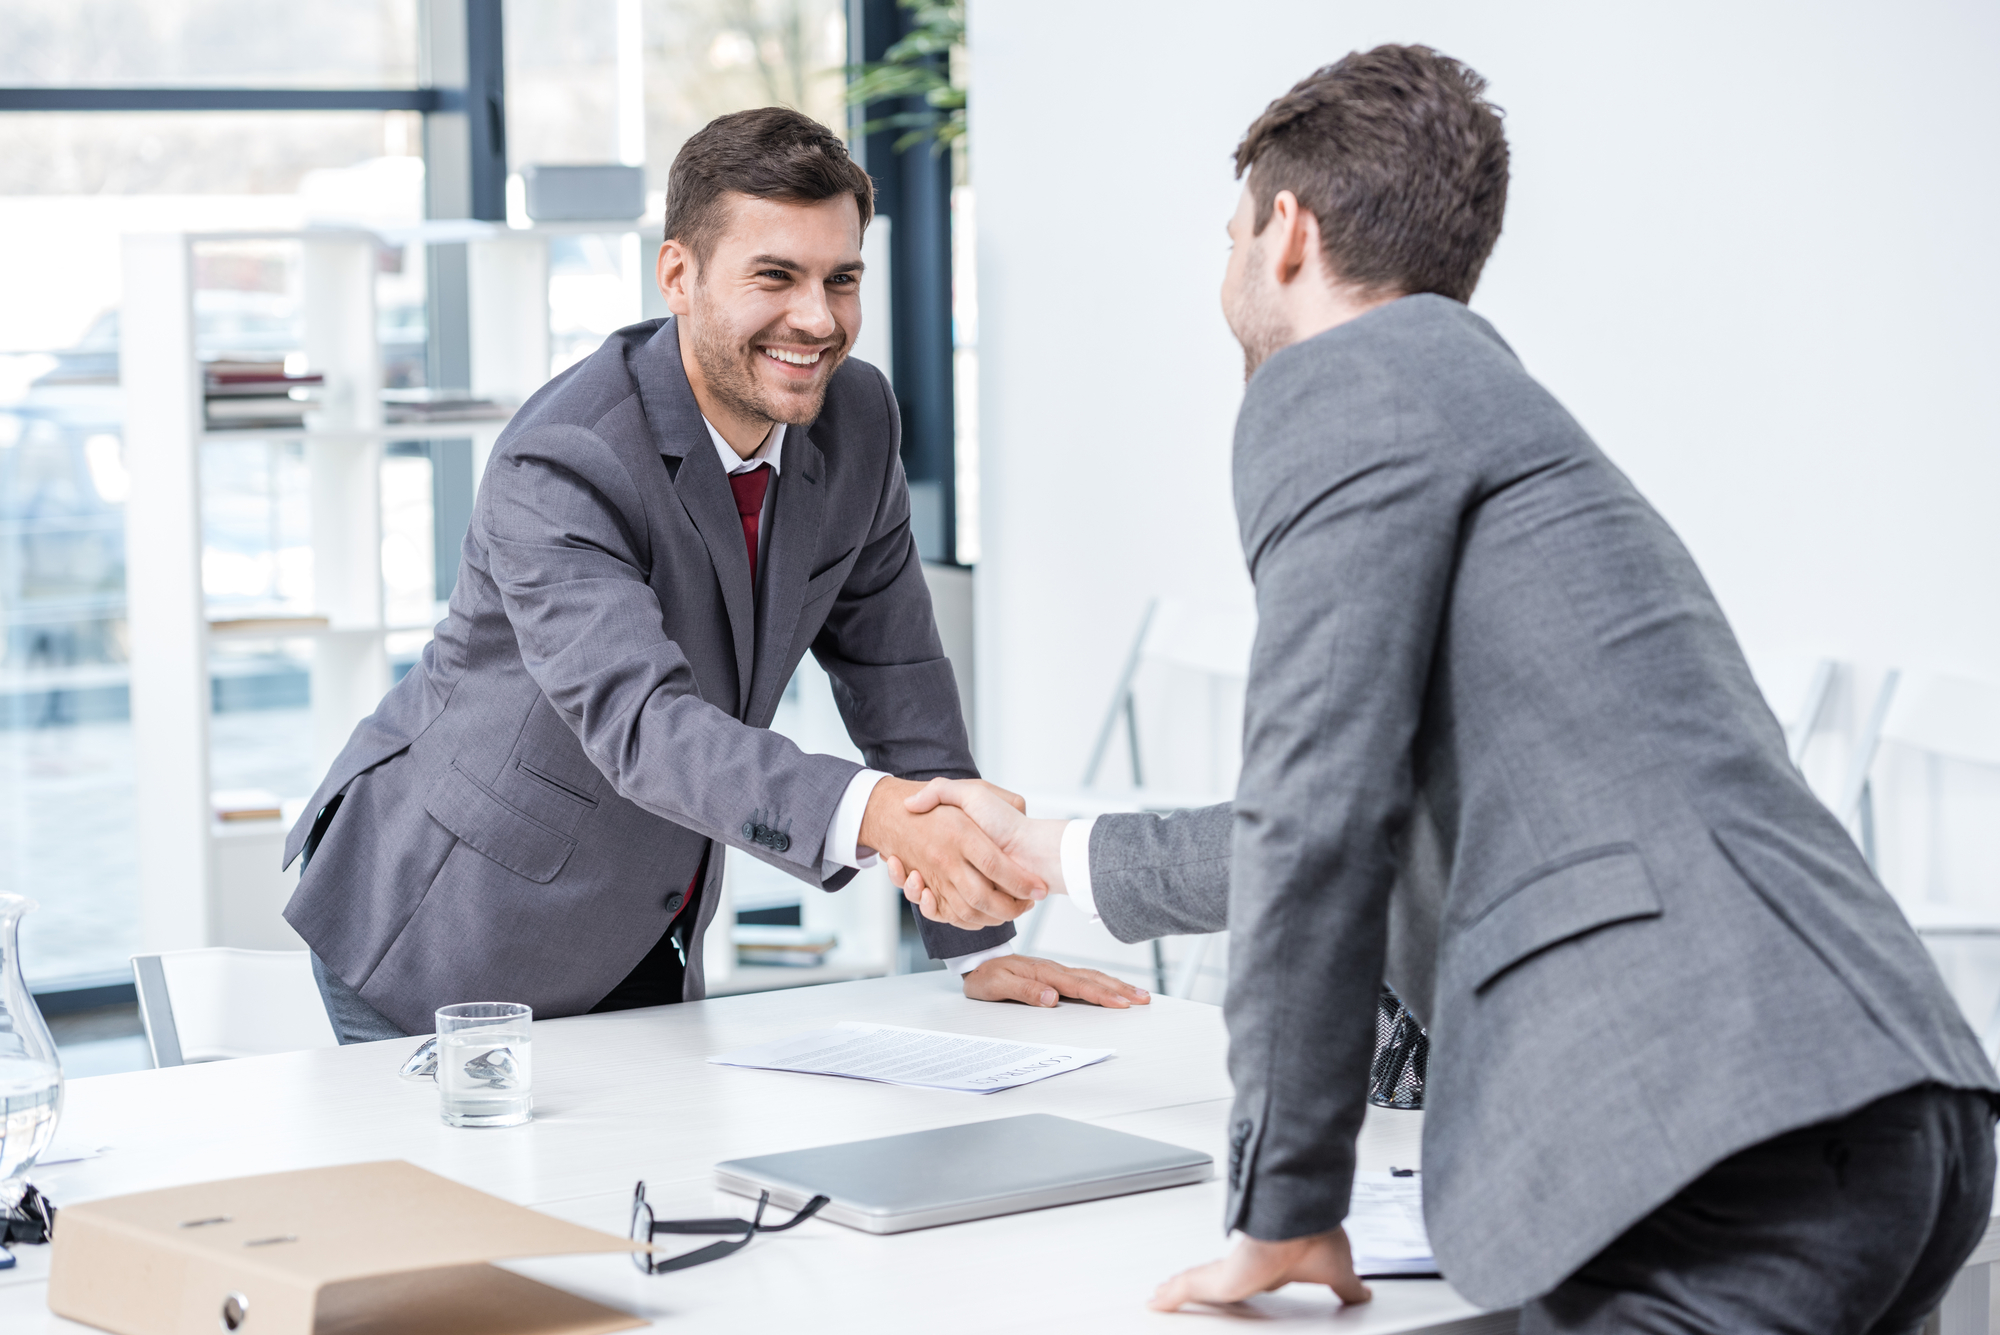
x: 770, y: 153
x: 1401, y: 158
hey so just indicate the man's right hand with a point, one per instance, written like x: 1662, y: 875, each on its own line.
x: 1034, y: 845
x: 972, y: 882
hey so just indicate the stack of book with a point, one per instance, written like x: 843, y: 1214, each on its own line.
x: 790, y: 947
x: 411, y: 406
x: 242, y: 396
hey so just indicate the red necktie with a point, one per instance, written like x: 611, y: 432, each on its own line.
x: 750, y: 487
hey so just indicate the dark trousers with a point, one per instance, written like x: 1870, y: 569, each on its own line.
x: 658, y: 979
x: 1853, y: 1226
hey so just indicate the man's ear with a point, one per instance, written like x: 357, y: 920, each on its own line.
x: 1296, y: 235
x: 675, y: 274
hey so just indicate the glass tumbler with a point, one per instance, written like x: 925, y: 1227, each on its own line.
x: 485, y: 1063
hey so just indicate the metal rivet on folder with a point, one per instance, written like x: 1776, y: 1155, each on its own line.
x: 235, y: 1311
x: 265, y: 1242
x: 204, y: 1223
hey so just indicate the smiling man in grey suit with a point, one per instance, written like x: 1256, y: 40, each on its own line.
x: 535, y: 812
x: 1690, y: 1069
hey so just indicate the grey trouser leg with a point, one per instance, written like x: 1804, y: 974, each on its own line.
x: 354, y: 1020
x: 1852, y: 1227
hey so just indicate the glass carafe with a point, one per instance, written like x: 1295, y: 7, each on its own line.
x: 31, y: 1082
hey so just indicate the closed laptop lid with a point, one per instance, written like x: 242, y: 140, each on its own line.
x: 971, y: 1171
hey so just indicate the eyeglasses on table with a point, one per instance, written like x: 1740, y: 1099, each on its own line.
x: 645, y: 1228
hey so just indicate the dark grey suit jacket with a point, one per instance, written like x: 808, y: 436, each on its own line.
x: 1489, y: 678
x: 524, y: 811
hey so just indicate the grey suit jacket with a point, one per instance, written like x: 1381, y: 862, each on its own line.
x: 1488, y: 678
x: 524, y: 811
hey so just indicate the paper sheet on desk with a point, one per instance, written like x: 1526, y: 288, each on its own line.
x: 1385, y: 1226
x: 922, y: 1057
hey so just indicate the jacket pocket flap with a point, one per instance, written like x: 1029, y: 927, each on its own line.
x: 830, y: 576
x: 514, y: 839
x: 1584, y: 893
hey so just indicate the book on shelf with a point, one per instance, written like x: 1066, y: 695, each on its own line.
x: 275, y: 623
x: 226, y: 379
x: 788, y: 947
x: 245, y: 395
x: 240, y: 804
x: 414, y: 406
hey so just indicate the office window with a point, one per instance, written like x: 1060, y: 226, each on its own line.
x: 191, y: 43
x: 628, y: 81
x: 71, y: 183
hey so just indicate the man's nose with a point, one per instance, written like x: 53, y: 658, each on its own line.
x: 811, y: 315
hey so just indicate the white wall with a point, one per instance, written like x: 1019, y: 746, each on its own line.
x: 1752, y: 247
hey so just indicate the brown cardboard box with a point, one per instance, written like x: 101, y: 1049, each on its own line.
x: 374, y: 1248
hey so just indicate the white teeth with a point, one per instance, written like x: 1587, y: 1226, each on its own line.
x: 796, y: 359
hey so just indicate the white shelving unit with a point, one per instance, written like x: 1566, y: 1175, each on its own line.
x: 203, y: 882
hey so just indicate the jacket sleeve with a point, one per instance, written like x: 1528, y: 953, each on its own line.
x: 561, y: 526
x: 1349, y: 495
x: 1167, y: 875
x: 891, y: 680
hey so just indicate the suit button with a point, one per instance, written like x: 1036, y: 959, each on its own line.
x: 780, y: 842
x: 674, y: 901
x: 750, y: 831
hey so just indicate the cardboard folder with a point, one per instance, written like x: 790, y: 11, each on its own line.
x: 378, y: 1248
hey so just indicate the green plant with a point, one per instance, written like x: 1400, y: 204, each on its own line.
x: 919, y: 65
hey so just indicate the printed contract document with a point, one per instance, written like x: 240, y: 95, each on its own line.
x: 921, y: 1057
x: 1385, y: 1226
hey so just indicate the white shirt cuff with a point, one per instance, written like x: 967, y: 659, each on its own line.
x: 843, y: 837
x: 965, y: 964
x: 1076, y: 866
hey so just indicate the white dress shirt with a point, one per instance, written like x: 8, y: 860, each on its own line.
x: 843, y: 847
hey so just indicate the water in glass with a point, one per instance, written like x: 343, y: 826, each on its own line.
x: 485, y: 1064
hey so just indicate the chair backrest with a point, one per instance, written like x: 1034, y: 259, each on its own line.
x: 1211, y: 641
x: 1796, y: 687
x: 218, y: 1003
x: 1949, y: 716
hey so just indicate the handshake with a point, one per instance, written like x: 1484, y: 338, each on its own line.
x: 963, y: 851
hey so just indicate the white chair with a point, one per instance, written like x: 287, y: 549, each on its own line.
x: 1952, y: 726
x: 1183, y: 641
x: 218, y: 1003
x: 1797, y: 689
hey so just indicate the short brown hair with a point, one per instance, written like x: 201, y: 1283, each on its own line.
x: 770, y: 153
x: 1401, y: 158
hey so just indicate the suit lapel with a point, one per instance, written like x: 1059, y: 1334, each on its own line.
x: 701, y: 487
x: 795, y: 523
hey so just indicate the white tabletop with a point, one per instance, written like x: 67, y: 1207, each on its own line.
x: 630, y: 1095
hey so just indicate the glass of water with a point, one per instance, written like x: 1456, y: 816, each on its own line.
x: 485, y: 1063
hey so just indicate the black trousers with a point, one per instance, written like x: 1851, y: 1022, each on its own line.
x: 1853, y: 1226
x: 658, y: 979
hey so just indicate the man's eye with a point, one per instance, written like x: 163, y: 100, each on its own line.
x: 844, y: 279
x: 779, y: 274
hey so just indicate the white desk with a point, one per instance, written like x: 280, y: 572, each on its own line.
x: 630, y: 1095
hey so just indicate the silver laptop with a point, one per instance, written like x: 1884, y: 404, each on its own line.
x: 955, y: 1173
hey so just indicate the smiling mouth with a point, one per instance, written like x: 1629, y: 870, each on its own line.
x: 794, y: 358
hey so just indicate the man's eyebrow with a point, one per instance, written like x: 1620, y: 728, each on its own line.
x: 780, y: 262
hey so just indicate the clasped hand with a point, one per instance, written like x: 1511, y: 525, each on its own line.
x: 970, y: 881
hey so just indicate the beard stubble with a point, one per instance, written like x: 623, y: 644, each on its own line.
x: 732, y: 376
x: 1253, y: 317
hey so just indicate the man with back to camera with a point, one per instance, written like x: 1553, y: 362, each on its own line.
x: 660, y: 535
x: 1690, y: 1070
